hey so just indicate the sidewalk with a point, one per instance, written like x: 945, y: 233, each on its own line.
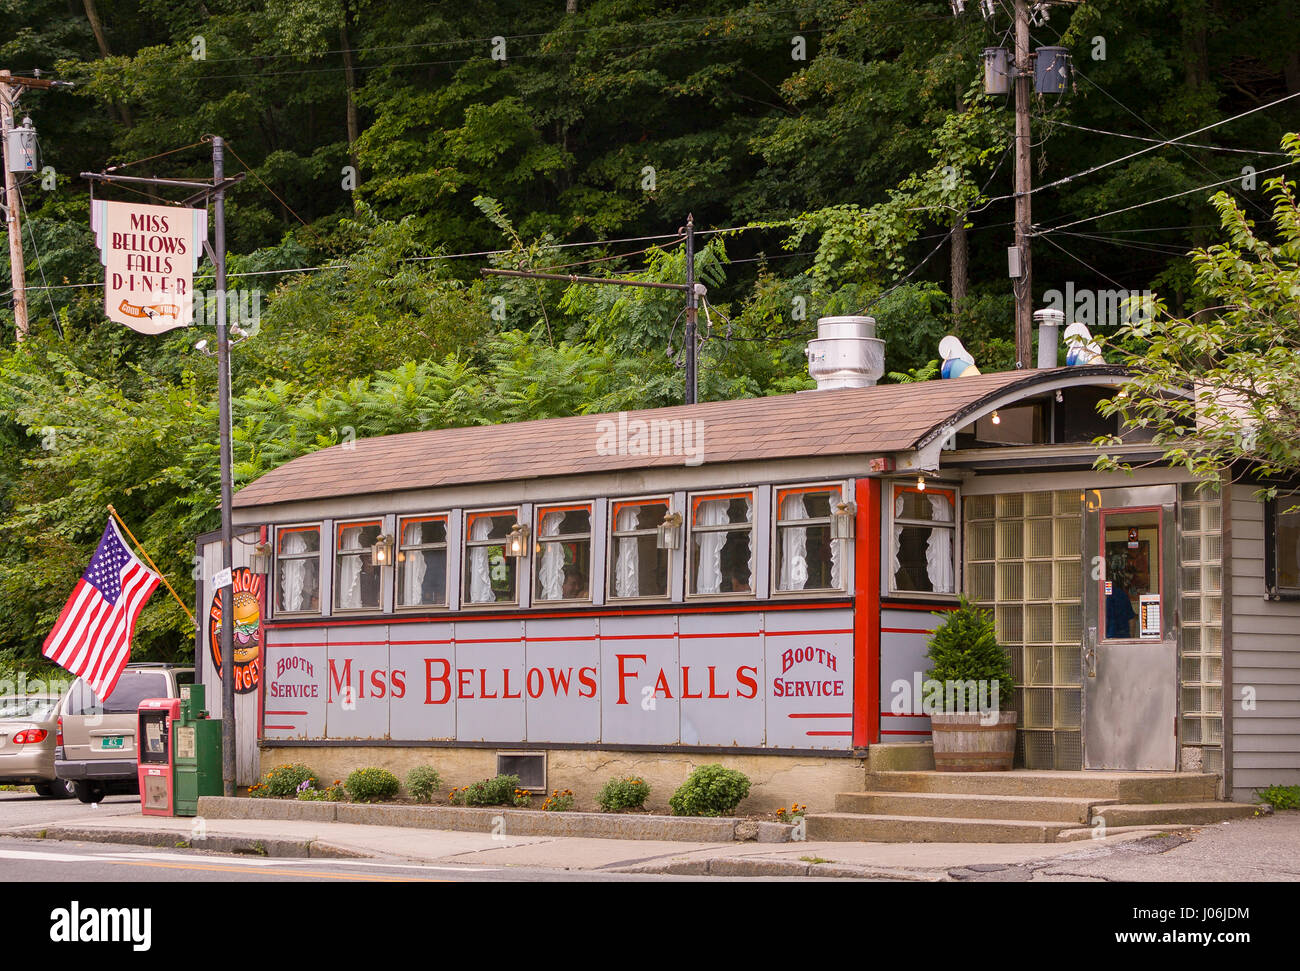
x: 889, y: 861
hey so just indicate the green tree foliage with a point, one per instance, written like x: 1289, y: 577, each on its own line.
x: 964, y: 649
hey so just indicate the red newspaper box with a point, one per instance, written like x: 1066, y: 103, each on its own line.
x: 154, y: 745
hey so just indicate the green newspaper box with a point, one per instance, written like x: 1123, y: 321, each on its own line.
x: 196, y: 742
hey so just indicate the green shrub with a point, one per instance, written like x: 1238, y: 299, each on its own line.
x: 372, y: 785
x: 423, y: 783
x: 502, y: 791
x: 1280, y: 797
x: 283, y: 781
x: 711, y: 790
x: 965, y: 648
x: 620, y: 794
x: 335, y: 793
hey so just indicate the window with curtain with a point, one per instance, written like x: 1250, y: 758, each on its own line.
x: 356, y: 579
x: 564, y: 560
x: 807, y: 557
x: 722, y: 544
x: 638, y: 568
x: 422, y: 561
x: 489, y: 574
x: 922, y: 540
x: 297, y: 569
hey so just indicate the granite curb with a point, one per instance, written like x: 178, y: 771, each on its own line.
x: 268, y: 846
x: 516, y: 822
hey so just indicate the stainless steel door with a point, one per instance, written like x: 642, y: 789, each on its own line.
x: 1130, y: 628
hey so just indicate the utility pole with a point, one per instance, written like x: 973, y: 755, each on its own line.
x: 223, y: 407
x: 10, y: 88
x: 692, y: 373
x: 1022, y: 283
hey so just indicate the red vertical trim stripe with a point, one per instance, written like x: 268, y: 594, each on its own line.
x: 866, y: 622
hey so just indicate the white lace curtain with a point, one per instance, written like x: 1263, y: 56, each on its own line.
x: 480, y: 575
x: 794, y: 545
x: 349, y: 592
x: 938, y: 549
x: 713, y: 512
x: 293, y: 574
x: 413, y: 567
x: 550, y: 570
x: 627, y: 561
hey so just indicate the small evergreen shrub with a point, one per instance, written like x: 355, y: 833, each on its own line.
x: 502, y: 791
x: 283, y: 781
x: 621, y: 794
x: 711, y: 790
x: 966, y: 663
x: 423, y: 783
x: 372, y: 785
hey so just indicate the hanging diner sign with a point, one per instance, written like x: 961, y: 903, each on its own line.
x: 149, y: 255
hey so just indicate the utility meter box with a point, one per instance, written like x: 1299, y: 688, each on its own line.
x: 197, y: 744
x: 155, y: 718
x: 20, y: 149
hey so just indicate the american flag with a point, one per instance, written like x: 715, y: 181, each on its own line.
x: 92, y: 638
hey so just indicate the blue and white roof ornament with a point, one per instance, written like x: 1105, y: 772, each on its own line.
x: 1080, y: 348
x: 957, y: 361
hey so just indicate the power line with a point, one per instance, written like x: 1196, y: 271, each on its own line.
x: 1139, y: 138
x: 1152, y: 202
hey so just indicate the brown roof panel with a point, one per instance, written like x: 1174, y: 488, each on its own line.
x: 854, y: 421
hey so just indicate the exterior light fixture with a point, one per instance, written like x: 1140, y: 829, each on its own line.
x: 260, y: 559
x: 669, y: 534
x: 517, y: 541
x: 997, y: 419
x: 381, y: 554
x: 920, y: 483
x: 842, y: 520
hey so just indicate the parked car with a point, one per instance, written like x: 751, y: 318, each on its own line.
x: 28, y: 726
x: 96, y: 747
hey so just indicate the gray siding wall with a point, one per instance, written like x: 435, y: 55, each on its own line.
x: 1265, y: 663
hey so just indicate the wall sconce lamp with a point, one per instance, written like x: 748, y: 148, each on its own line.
x: 259, y: 561
x: 669, y: 534
x: 381, y: 554
x: 517, y: 541
x: 842, y: 518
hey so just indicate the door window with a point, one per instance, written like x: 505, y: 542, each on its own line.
x: 1130, y: 575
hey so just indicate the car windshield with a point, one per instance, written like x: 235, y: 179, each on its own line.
x: 38, y: 709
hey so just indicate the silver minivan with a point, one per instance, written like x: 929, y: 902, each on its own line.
x: 95, y: 750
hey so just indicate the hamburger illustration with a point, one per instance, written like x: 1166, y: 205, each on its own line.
x: 247, y: 621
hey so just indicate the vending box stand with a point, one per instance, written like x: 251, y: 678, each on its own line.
x: 197, y: 746
x: 154, y: 734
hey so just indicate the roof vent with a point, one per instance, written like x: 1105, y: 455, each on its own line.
x: 846, y: 353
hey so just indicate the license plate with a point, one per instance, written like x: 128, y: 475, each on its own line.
x: 111, y: 741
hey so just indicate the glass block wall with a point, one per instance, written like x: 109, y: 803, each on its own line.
x: 1022, y: 562
x: 1201, y: 662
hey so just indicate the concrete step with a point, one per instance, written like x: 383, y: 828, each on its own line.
x: 855, y: 827
x: 1171, y: 813
x: 966, y: 806
x: 1124, y: 787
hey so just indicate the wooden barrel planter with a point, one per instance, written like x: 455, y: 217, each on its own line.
x: 963, y: 744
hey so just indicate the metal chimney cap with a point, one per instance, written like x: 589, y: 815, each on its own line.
x: 1048, y: 317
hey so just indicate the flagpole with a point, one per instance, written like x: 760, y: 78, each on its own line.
x: 152, y: 564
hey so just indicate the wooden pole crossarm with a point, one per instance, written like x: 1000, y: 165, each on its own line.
x: 152, y: 565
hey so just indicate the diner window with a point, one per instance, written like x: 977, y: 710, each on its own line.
x: 807, y: 557
x: 722, y: 544
x: 357, y: 581
x: 297, y: 570
x: 490, y: 575
x: 564, y: 553
x: 1282, y: 547
x: 638, y: 567
x: 422, y: 561
x: 924, y: 529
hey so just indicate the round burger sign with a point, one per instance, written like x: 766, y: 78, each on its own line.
x: 246, y: 595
